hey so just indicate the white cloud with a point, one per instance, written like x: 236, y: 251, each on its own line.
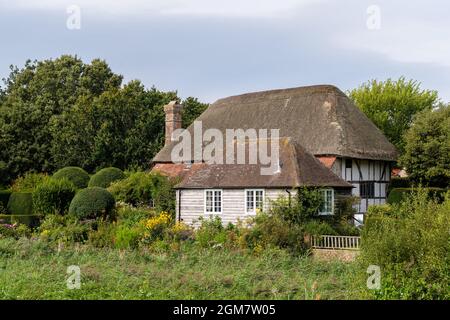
x: 228, y: 8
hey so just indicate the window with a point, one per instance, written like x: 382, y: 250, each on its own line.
x: 213, y: 201
x: 348, y: 163
x: 328, y: 202
x: 254, y: 200
x: 367, y: 189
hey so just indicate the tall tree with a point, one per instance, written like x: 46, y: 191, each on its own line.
x: 391, y: 105
x: 32, y: 97
x: 427, y: 150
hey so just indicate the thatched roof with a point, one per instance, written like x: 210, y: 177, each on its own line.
x: 296, y: 168
x: 320, y: 118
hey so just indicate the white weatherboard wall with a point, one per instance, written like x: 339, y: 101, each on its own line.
x: 192, y: 204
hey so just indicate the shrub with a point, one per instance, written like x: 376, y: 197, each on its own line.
x: 156, y: 228
x: 20, y: 203
x: 146, y: 189
x: 211, y: 232
x: 127, y: 237
x: 274, y: 231
x: 399, y: 182
x: 410, y: 242
x: 76, y: 175
x: 4, y: 198
x: 105, y: 177
x: 397, y: 195
x: 131, y: 216
x: 316, y: 227
x: 66, y: 229
x: 303, y: 207
x: 91, y: 203
x: 28, y: 182
x: 104, y: 234
x: 14, y: 231
x: 53, y: 196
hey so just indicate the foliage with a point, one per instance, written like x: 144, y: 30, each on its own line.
x: 28, y: 182
x: 63, y: 229
x: 399, y: 182
x: 4, y: 198
x: 53, y: 196
x: 211, y: 232
x: 76, y: 175
x: 34, y: 97
x: 274, y: 231
x: 105, y: 177
x: 155, y: 228
x: 20, y: 203
x: 127, y: 236
x: 91, y: 203
x: 392, y: 105
x: 398, y: 195
x: 303, y: 207
x: 64, y: 112
x: 15, y: 231
x: 427, y: 149
x: 410, y: 242
x: 317, y: 227
x: 144, y: 188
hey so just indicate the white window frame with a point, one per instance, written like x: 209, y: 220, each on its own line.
x: 253, y: 212
x: 324, y: 191
x: 213, y: 205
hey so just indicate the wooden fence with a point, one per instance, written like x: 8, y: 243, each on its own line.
x: 335, y: 242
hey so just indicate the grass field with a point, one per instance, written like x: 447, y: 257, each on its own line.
x: 34, y: 270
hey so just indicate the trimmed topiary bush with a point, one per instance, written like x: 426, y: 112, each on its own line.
x: 53, y: 196
x: 105, y: 177
x: 93, y: 202
x: 20, y: 203
x: 76, y: 175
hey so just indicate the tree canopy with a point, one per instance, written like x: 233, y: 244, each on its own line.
x: 427, y: 149
x: 65, y: 112
x: 392, y: 104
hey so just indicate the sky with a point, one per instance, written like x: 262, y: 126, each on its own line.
x: 212, y: 49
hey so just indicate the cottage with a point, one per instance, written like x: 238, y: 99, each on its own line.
x: 324, y: 141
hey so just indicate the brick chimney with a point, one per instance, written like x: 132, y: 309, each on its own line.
x: 173, y: 119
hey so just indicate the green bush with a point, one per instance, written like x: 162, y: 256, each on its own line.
x: 316, y: 227
x: 399, y: 182
x: 91, y: 203
x: 274, y: 231
x: 20, y: 203
x: 14, y: 231
x: 211, y: 232
x: 103, y: 235
x: 28, y: 182
x: 53, y: 196
x: 28, y: 220
x: 76, y: 175
x: 397, y: 195
x: 410, y: 242
x: 127, y: 237
x: 105, y: 177
x: 145, y: 189
x: 66, y: 229
x: 4, y: 198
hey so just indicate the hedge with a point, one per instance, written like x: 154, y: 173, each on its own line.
x: 105, y: 177
x: 4, y: 198
x: 20, y: 203
x: 397, y: 195
x: 53, y: 196
x: 399, y: 182
x: 76, y: 175
x: 92, y: 203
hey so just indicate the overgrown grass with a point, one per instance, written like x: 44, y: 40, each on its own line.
x: 32, y: 269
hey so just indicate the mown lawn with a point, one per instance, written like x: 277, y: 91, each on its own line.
x: 34, y: 270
